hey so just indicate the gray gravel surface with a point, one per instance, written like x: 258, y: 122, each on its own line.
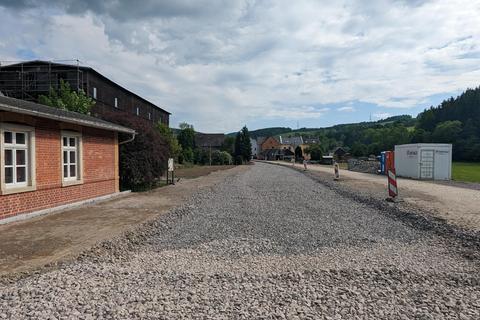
x: 269, y: 243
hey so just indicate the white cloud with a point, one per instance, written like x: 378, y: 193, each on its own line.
x: 381, y: 115
x: 222, y: 64
x: 346, y: 109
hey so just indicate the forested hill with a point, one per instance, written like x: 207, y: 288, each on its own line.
x: 455, y: 120
x: 266, y: 132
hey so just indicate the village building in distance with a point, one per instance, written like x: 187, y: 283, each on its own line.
x: 283, y: 148
x: 209, y: 141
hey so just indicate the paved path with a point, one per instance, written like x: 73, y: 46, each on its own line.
x: 269, y: 243
x: 455, y: 202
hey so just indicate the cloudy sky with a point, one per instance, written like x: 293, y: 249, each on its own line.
x: 222, y: 64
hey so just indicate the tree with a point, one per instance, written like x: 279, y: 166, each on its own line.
x: 359, y: 149
x: 68, y: 99
x: 144, y: 160
x: 174, y: 147
x: 243, y: 146
x: 298, y: 153
x: 186, y: 137
x: 315, y: 151
x: 447, y: 131
x: 228, y: 145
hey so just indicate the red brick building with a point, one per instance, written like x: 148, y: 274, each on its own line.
x: 51, y: 157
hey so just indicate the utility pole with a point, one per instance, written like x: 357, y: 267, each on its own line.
x: 78, y: 75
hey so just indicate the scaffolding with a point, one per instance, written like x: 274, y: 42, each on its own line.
x: 28, y: 80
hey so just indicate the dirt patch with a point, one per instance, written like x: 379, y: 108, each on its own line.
x: 31, y: 244
x: 198, y: 171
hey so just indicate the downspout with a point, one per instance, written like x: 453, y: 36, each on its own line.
x: 128, y: 140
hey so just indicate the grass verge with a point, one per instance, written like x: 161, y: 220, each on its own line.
x: 466, y: 171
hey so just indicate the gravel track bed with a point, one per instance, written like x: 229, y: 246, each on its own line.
x: 269, y: 243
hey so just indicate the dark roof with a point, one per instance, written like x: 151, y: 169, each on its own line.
x: 84, y: 68
x: 294, y: 141
x: 42, y: 111
x: 340, y: 151
x: 311, y: 141
x: 209, y: 139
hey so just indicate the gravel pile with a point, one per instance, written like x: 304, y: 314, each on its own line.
x: 269, y: 243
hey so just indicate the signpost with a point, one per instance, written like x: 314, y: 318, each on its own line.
x: 171, y: 170
x: 391, y: 175
x: 336, y: 171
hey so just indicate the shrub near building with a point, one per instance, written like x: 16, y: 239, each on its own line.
x: 144, y: 160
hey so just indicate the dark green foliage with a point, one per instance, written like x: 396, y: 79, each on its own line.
x: 201, y: 156
x: 187, y: 155
x: 243, y: 146
x: 229, y: 145
x: 221, y: 158
x: 213, y: 157
x: 174, y: 147
x: 456, y: 121
x: 298, y: 153
x: 67, y: 99
x: 186, y: 136
x: 143, y: 160
x: 238, y: 160
x: 315, y: 151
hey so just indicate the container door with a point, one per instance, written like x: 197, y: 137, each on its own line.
x: 427, y: 164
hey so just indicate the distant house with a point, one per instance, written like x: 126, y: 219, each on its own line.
x: 260, y: 141
x: 213, y: 141
x: 340, y: 154
x: 291, y: 141
x: 28, y: 80
x: 270, y: 143
x: 51, y: 157
x: 254, y: 145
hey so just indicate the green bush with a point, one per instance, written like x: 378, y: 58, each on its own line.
x: 144, y: 160
x: 221, y: 158
x: 187, y: 155
x: 201, y: 157
x: 238, y: 160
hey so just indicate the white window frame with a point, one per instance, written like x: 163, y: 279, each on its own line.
x: 30, y: 170
x: 95, y: 93
x: 78, y: 149
x: 149, y: 116
x: 138, y: 111
x: 116, y: 102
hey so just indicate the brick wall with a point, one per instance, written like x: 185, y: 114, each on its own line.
x: 270, y: 143
x: 99, y: 173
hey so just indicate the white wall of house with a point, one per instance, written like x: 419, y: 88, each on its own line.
x: 254, y: 147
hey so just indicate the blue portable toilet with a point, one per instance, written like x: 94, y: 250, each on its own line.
x: 383, y: 160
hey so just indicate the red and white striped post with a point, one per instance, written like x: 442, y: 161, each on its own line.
x: 392, y: 177
x: 392, y: 183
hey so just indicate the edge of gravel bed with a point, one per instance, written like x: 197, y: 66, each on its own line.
x: 414, y: 217
x: 108, y: 250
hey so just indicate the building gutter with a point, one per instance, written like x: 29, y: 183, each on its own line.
x: 128, y: 140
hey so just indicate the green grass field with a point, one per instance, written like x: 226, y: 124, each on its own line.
x: 466, y: 171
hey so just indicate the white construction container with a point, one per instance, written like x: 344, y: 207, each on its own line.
x: 429, y: 161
